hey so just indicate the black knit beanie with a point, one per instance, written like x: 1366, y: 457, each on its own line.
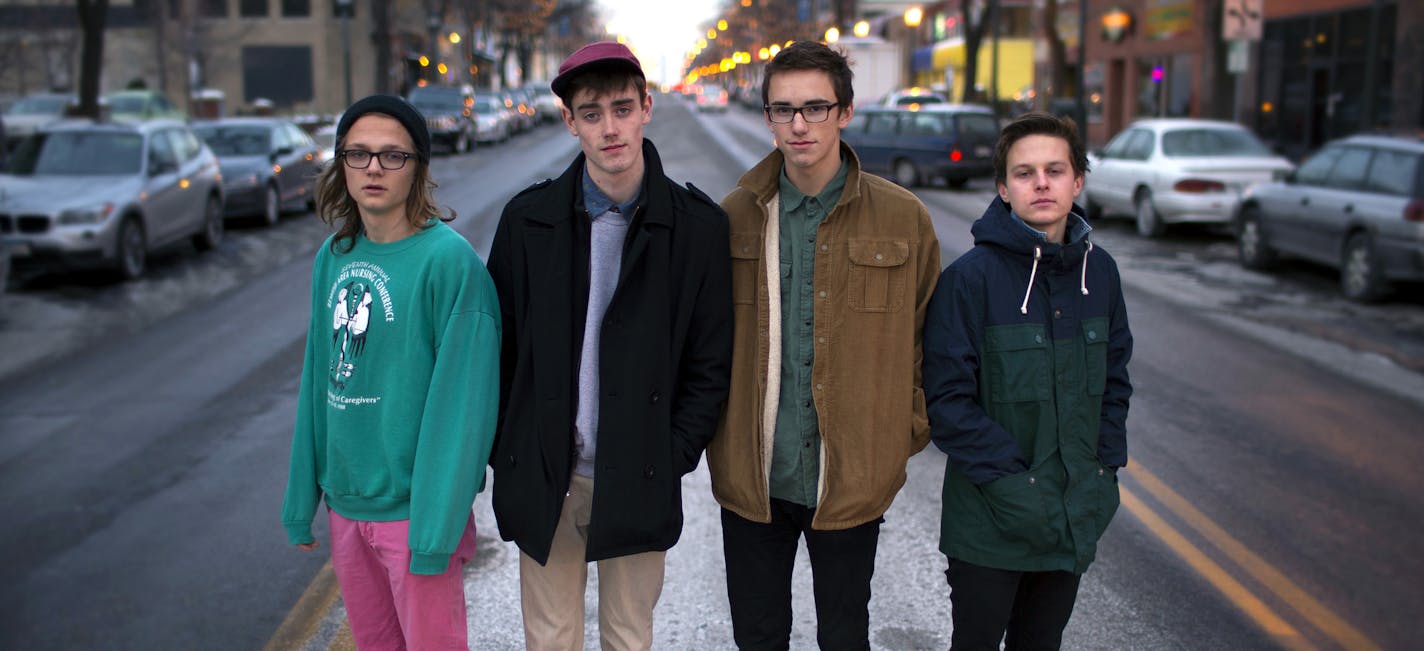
x: 395, y: 107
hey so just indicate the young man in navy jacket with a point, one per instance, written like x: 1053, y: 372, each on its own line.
x: 1026, y: 347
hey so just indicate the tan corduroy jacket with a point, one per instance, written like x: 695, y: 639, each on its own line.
x: 877, y: 260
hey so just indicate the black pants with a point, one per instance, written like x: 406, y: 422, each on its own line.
x: 760, y: 558
x: 1031, y: 607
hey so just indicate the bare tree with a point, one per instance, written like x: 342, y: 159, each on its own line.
x: 381, y: 20
x: 93, y: 17
x: 973, y: 37
x: 1057, y: 56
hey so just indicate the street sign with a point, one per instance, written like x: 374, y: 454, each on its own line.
x: 1238, y: 56
x: 1241, y: 20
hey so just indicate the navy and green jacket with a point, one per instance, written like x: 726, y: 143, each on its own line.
x: 1026, y: 347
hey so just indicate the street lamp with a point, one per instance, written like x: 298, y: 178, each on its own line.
x: 833, y: 34
x: 913, y: 16
x: 862, y: 29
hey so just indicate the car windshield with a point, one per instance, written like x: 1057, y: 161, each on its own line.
x: 79, y: 153
x: 236, y: 141
x: 436, y: 98
x: 126, y: 104
x: 1212, y: 142
x: 486, y: 105
x: 38, y: 106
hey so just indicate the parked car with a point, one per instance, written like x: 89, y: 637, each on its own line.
x: 325, y: 137
x: 519, y: 116
x: 31, y: 112
x: 546, y: 104
x: 80, y: 194
x: 1356, y: 205
x: 449, y: 114
x: 954, y: 142
x: 492, y: 120
x: 1175, y: 170
x: 140, y: 105
x: 267, y: 165
x: 912, y: 96
x: 712, y: 98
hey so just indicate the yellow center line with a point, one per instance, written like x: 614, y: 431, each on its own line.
x: 1314, y: 611
x: 1278, y: 628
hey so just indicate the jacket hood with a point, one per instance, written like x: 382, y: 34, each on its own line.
x: 999, y: 228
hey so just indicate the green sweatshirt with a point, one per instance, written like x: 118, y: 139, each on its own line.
x: 400, y: 388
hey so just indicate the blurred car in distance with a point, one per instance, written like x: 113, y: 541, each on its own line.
x: 1166, y: 171
x: 31, y: 112
x: 492, y: 120
x: 519, y: 118
x: 83, y: 195
x: 140, y: 105
x: 267, y: 164
x: 1356, y: 205
x: 546, y: 104
x: 954, y: 142
x: 915, y: 95
x: 325, y: 137
x: 449, y: 114
x: 712, y: 99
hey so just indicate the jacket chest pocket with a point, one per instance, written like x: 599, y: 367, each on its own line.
x: 1095, y: 355
x: 746, y: 256
x: 878, y: 273
x: 1016, y: 364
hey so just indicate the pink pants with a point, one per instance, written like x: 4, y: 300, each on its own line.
x: 388, y: 607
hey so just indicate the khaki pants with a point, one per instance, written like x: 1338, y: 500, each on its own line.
x: 552, y: 595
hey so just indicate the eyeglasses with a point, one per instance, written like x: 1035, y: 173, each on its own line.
x: 359, y: 159
x: 782, y: 114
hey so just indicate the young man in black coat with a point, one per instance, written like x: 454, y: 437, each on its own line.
x: 616, y: 358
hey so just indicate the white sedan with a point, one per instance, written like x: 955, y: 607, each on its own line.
x: 1174, y: 170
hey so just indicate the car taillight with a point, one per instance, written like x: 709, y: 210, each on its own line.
x: 1414, y: 211
x: 1199, y: 186
x: 956, y: 155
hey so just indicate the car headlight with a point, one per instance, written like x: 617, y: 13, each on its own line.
x: 89, y: 215
x: 445, y: 122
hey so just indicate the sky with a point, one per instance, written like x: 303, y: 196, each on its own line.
x: 660, y: 31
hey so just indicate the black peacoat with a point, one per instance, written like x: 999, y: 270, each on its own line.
x: 665, y: 354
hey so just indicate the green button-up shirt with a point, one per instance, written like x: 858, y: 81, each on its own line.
x: 796, y: 448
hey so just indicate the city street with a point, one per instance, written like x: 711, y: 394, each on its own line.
x: 1273, y: 499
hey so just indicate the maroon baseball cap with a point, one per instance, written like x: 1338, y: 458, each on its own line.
x: 594, y: 55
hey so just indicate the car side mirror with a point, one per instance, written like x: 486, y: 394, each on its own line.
x: 158, y: 167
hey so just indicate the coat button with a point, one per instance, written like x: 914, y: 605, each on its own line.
x: 880, y: 256
x: 1092, y: 334
x: 511, y: 461
x: 653, y: 397
x: 1100, y: 472
x: 1058, y: 314
x: 648, y: 472
x: 1032, y: 481
x: 823, y: 293
x: 825, y: 248
x: 1038, y: 339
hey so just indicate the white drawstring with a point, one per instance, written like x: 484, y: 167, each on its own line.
x: 1084, y: 283
x: 1037, y: 251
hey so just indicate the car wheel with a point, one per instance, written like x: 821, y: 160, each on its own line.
x: 904, y: 173
x: 211, y: 235
x: 1360, y: 277
x: 133, y: 249
x: 271, y: 205
x: 1149, y: 221
x: 1251, y: 241
x: 956, y: 183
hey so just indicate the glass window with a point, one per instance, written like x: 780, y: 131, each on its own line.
x: 237, y: 141
x: 1117, y: 147
x: 1349, y: 172
x: 1212, y: 142
x: 160, y: 151
x: 252, y: 8
x: 213, y: 8
x: 856, y: 124
x: 78, y: 153
x: 1316, y: 169
x: 924, y: 124
x: 1140, y: 146
x: 982, y: 126
x: 881, y: 124
x: 1393, y: 172
x: 1150, y: 74
x: 296, y: 8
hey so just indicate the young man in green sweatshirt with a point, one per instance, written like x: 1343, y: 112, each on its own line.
x: 400, y: 387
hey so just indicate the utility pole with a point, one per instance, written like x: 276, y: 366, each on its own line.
x: 344, y: 9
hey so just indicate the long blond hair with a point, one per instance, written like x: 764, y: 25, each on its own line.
x: 335, y: 206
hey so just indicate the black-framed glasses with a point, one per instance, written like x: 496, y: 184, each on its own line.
x: 783, y: 114
x: 360, y: 159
